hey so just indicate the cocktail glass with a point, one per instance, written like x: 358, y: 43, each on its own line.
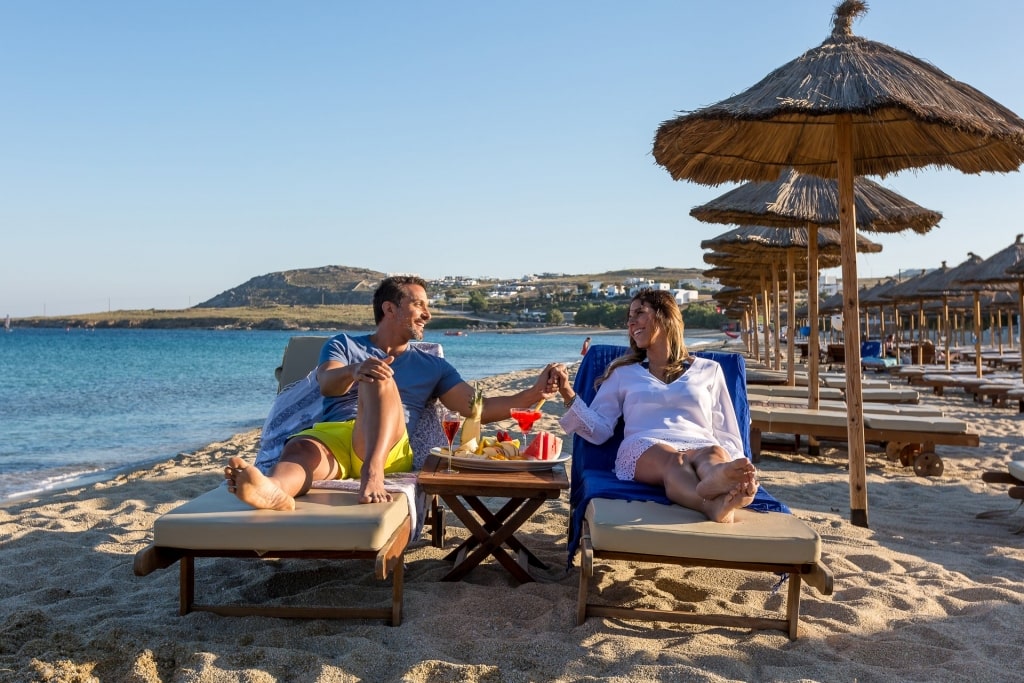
x: 525, y: 418
x: 451, y: 421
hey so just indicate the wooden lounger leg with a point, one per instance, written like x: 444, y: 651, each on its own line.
x: 397, y: 588
x: 793, y: 605
x: 755, y: 444
x: 187, y: 588
x: 586, y: 571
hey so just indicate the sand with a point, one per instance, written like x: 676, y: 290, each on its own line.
x: 928, y: 593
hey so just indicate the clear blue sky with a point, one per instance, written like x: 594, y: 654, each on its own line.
x: 158, y: 153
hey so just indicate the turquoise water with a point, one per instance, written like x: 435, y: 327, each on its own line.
x: 78, y: 404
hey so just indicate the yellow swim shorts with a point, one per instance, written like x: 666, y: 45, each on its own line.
x: 337, y: 436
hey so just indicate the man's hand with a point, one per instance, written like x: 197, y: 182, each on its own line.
x: 373, y: 369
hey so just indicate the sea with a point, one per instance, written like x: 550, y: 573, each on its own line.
x: 82, y: 405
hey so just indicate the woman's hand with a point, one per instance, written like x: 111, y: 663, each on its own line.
x: 558, y: 378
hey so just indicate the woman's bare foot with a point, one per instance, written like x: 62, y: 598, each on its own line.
x: 253, y: 487
x: 721, y: 478
x: 723, y: 508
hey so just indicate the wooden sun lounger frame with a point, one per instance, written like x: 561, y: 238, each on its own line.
x: 907, y: 446
x: 816, y: 575
x: 388, y: 560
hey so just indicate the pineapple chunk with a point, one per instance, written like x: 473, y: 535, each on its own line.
x: 471, y: 426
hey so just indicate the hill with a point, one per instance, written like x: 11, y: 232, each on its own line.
x: 328, y: 285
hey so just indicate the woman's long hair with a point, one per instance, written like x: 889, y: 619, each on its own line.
x: 670, y: 319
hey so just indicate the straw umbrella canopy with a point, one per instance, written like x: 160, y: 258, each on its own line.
x: 795, y: 244
x: 995, y: 273
x: 935, y: 285
x: 750, y: 248
x: 849, y: 107
x: 796, y: 200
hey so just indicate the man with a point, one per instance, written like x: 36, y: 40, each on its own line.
x: 373, y: 387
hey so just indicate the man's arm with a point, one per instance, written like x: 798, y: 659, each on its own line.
x: 336, y: 378
x: 497, y: 407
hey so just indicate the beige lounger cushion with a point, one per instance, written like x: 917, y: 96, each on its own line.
x: 323, y: 519
x: 890, y: 395
x: 824, y: 393
x: 804, y: 416
x: 911, y: 423
x: 774, y: 403
x: 674, y: 531
x: 1017, y: 469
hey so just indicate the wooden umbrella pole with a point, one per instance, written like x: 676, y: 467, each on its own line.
x: 997, y: 325
x: 921, y: 331
x: 977, y: 333
x: 790, y: 317
x: 946, y: 329
x: 813, y: 353
x: 897, y: 331
x: 776, y: 317
x: 753, y: 331
x: 1020, y: 324
x: 767, y: 322
x: 851, y: 330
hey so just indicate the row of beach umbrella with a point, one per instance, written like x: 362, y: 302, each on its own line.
x: 846, y: 109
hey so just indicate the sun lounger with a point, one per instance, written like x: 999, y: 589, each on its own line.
x: 1013, y: 476
x: 887, y: 408
x: 873, y: 395
x: 824, y: 393
x: 624, y: 520
x: 908, y: 438
x: 325, y: 524
x: 839, y: 382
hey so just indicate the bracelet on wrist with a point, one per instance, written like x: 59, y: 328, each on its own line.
x: 568, y: 404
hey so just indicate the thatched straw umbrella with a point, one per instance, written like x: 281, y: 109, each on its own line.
x: 807, y: 202
x: 759, y: 276
x: 794, y: 246
x: 995, y: 273
x: 934, y: 285
x: 849, y: 107
x: 748, y: 248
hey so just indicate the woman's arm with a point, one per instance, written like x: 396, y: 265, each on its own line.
x: 596, y: 422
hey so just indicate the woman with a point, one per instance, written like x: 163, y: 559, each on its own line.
x: 680, y: 428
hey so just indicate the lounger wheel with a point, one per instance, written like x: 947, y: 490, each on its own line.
x: 909, y: 454
x: 928, y: 465
x: 904, y: 452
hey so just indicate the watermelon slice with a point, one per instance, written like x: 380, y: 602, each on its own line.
x: 545, y: 446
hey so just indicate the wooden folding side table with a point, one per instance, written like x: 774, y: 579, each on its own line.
x: 491, y: 532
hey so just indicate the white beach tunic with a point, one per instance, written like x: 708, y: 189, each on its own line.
x: 695, y: 411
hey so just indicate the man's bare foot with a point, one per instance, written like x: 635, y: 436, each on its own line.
x: 723, y: 477
x: 371, y: 490
x: 253, y: 487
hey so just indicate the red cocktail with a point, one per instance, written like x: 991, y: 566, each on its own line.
x: 451, y: 428
x: 525, y: 418
x: 451, y: 423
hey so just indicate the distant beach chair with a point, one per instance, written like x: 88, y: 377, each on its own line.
x: 629, y: 521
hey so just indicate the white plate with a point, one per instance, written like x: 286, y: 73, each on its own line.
x: 500, y: 465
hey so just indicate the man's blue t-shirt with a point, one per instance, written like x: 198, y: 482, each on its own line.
x: 419, y: 376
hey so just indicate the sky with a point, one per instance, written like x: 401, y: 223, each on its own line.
x: 158, y: 153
